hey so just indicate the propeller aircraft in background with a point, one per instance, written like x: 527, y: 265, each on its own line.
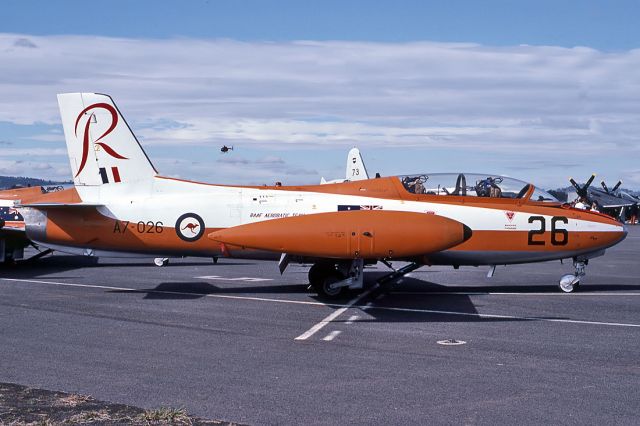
x: 604, y: 200
x: 120, y: 204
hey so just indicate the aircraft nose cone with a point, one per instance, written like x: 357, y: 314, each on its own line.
x: 466, y: 232
x: 624, y: 232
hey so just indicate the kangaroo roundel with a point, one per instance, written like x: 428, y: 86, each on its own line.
x: 190, y: 227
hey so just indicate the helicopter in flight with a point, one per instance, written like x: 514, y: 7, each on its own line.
x: 226, y: 149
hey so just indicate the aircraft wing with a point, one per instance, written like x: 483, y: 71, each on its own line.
x: 608, y: 200
x: 631, y: 198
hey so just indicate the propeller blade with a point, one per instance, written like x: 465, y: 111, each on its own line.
x: 586, y: 185
x: 604, y: 186
x: 617, y: 186
x: 575, y: 185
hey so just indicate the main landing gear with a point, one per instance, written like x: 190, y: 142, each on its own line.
x: 331, y: 279
x: 571, y: 282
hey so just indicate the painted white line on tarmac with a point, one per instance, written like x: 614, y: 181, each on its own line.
x: 183, y: 293
x: 244, y: 279
x: 371, y: 302
x: 497, y: 293
x: 329, y: 337
x: 66, y: 284
x: 351, y: 319
x: 513, y: 317
x: 335, y: 314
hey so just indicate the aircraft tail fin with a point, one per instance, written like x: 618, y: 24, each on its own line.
x: 102, y: 148
x: 355, y: 166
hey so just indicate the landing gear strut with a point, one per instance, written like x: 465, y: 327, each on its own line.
x: 392, y: 277
x: 330, y: 280
x: 571, y: 282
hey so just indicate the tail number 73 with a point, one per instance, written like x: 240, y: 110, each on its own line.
x: 559, y: 236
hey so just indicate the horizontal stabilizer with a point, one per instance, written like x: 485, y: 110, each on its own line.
x: 44, y: 206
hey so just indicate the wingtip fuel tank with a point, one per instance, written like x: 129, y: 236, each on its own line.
x: 368, y: 234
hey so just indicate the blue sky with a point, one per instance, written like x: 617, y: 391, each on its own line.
x: 539, y: 90
x: 603, y: 25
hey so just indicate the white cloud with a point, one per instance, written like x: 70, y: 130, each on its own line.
x: 50, y: 170
x: 263, y: 171
x: 541, y: 103
x: 34, y: 152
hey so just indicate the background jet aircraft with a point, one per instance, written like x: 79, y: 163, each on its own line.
x: 13, y: 239
x: 119, y: 203
x: 355, y: 170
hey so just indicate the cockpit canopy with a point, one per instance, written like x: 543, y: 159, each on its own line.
x: 473, y: 185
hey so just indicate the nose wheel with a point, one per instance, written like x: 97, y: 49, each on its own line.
x: 161, y: 261
x: 571, y: 282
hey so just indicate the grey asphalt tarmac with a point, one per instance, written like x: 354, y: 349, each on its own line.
x: 236, y: 341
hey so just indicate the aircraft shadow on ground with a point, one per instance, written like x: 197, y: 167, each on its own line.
x: 200, y: 289
x: 56, y: 264
x: 455, y: 303
x: 397, y: 307
x: 413, y: 300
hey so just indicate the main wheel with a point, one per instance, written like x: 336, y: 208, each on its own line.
x: 319, y: 271
x: 325, y: 289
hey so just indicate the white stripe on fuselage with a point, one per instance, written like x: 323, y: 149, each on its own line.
x: 164, y: 200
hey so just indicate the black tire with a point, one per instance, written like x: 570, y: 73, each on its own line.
x: 318, y: 272
x: 325, y: 289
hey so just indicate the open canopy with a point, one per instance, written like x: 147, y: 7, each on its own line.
x: 474, y: 185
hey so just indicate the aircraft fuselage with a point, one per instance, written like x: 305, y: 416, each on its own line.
x: 174, y: 217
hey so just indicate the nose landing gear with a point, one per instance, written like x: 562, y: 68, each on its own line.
x: 571, y: 282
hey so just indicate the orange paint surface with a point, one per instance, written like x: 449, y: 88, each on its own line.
x: 349, y: 234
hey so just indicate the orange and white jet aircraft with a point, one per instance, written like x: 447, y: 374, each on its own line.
x: 119, y: 203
